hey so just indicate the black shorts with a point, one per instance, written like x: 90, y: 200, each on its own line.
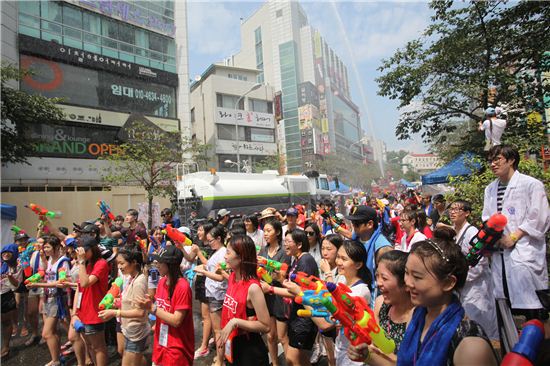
x: 249, y: 350
x: 301, y: 333
x: 22, y: 289
x: 8, y: 302
x: 200, y: 289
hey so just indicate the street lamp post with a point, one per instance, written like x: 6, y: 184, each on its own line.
x: 254, y: 87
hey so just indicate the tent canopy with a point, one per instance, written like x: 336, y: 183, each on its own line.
x: 406, y: 183
x: 9, y: 212
x: 342, y: 187
x: 461, y: 166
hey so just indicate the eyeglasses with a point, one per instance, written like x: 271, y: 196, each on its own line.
x: 438, y: 249
x: 456, y: 209
x: 403, y: 220
x: 310, y: 233
x: 496, y: 160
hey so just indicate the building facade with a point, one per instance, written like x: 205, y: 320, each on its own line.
x: 319, y: 117
x: 112, y: 63
x: 420, y: 163
x: 219, y: 103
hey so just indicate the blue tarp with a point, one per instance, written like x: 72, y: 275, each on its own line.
x: 342, y: 187
x: 9, y: 212
x: 406, y: 183
x: 459, y: 167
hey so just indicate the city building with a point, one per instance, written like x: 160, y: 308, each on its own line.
x: 112, y: 63
x: 319, y: 116
x: 420, y: 163
x: 224, y: 97
x: 378, y: 148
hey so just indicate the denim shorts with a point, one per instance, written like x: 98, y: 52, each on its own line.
x: 214, y: 305
x: 135, y: 347
x: 91, y: 329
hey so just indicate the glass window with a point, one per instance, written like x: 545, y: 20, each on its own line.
x: 109, y: 28
x: 157, y: 43
x: 73, y: 33
x: 72, y: 17
x: 142, y: 38
x: 30, y: 7
x: 257, y: 105
x: 192, y: 115
x: 279, y: 13
x: 52, y: 27
x: 92, y: 38
x: 262, y: 135
x: 258, y: 35
x: 228, y: 101
x: 91, y: 23
x: 28, y: 20
x: 126, y: 33
x: 51, y: 11
x: 324, y: 183
x: 227, y: 132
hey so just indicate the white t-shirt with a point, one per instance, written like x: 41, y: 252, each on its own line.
x: 342, y: 343
x: 417, y: 236
x: 51, y: 276
x: 258, y: 238
x: 498, y: 129
x: 185, y: 264
x: 215, y: 289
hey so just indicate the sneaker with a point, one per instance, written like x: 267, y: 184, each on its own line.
x: 211, y: 341
x: 67, y: 352
x: 203, y: 353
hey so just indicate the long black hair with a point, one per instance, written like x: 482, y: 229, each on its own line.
x: 358, y: 254
x: 174, y: 274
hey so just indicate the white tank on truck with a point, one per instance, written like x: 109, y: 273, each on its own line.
x: 246, y: 193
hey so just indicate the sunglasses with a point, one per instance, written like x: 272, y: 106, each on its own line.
x: 310, y: 233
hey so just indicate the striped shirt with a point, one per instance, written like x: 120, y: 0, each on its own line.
x: 500, y: 195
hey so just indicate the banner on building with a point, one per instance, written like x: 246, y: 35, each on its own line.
x: 227, y: 116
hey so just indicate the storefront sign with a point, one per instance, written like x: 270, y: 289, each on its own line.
x: 124, y: 10
x: 244, y: 118
x: 55, y: 51
x: 245, y: 148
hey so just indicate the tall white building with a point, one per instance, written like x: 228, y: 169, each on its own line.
x: 319, y: 115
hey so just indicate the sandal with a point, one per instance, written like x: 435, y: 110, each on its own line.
x: 32, y: 340
x: 5, y: 354
x: 24, y: 332
x: 51, y: 363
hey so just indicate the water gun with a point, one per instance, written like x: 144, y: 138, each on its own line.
x: 264, y: 275
x: 43, y: 213
x: 271, y: 265
x: 78, y: 326
x: 314, y: 300
x: 25, y: 259
x: 356, y: 317
x: 330, y: 215
x: 307, y: 282
x: 62, y: 275
x: 143, y: 244
x: 105, y: 210
x: 16, y: 229
x: 224, y: 266
x: 109, y: 300
x: 35, y: 278
x: 486, y: 237
x: 526, y: 350
x: 177, y: 236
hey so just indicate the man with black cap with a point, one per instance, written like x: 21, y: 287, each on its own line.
x: 366, y: 230
x: 167, y: 218
x: 291, y: 221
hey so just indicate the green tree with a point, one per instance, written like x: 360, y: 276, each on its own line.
x: 472, y: 56
x: 268, y: 163
x: 20, y: 110
x: 148, y: 159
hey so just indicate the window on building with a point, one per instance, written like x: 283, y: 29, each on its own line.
x: 227, y: 132
x: 258, y: 35
x: 228, y: 101
x: 51, y: 11
x: 72, y: 17
x: 126, y: 33
x: 279, y: 13
x: 192, y: 115
x: 258, y: 105
x: 30, y: 7
x: 109, y: 28
x: 262, y: 134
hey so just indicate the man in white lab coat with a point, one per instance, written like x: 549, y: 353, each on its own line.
x: 522, y: 254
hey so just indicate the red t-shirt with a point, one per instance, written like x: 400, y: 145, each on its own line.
x: 92, y: 295
x: 427, y: 232
x: 179, y: 348
x: 398, y: 232
x: 234, y: 303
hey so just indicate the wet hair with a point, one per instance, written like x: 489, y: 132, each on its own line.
x: 442, y: 257
x: 53, y: 241
x: 509, y: 152
x: 245, y: 249
x: 300, y: 238
x: 411, y: 215
x: 395, y: 261
x: 335, y: 240
x: 422, y: 219
x: 119, y: 218
x: 238, y: 228
x: 132, y: 256
x: 276, y: 225
x: 96, y: 254
x: 218, y: 231
x: 132, y: 212
x: 253, y: 219
x: 358, y: 254
x: 174, y: 273
x: 465, y: 205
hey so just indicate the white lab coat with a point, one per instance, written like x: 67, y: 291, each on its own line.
x: 525, y: 205
x: 477, y: 294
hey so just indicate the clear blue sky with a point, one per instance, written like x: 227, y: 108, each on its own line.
x: 375, y: 29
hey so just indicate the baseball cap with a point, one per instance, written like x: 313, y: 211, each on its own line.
x: 86, y: 229
x: 362, y: 213
x: 185, y: 230
x: 292, y: 212
x: 87, y: 242
x: 170, y: 255
x: 223, y: 212
x: 490, y: 111
x: 71, y: 242
x: 21, y: 236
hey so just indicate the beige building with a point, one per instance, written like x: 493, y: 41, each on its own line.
x: 420, y: 163
x: 224, y: 96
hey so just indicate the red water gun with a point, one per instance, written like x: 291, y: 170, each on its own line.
x: 307, y: 282
x: 357, y: 318
x: 43, y: 213
x: 114, y: 292
x: 177, y: 236
x: 105, y: 210
x: 486, y: 237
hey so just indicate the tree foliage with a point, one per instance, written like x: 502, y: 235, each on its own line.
x: 20, y: 110
x: 472, y: 56
x: 148, y: 159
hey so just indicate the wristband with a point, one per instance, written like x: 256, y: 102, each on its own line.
x: 514, y: 237
x: 272, y: 290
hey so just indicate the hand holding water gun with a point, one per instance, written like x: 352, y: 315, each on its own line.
x: 62, y: 275
x: 43, y: 213
x: 315, y: 301
x: 271, y: 266
x: 356, y: 317
x: 307, y: 282
x: 176, y: 235
x: 264, y: 275
x: 25, y: 259
x: 486, y: 237
x: 109, y: 300
x: 35, y: 278
x: 105, y: 210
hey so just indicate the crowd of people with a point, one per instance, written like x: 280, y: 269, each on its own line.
x: 113, y: 282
